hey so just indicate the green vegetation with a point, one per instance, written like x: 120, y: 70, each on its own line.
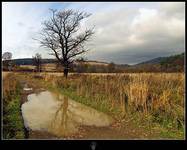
x: 173, y: 63
x: 13, y: 127
x: 89, y: 101
x: 179, y: 134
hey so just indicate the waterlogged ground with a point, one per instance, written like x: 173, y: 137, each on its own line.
x: 49, y: 115
x: 59, y: 115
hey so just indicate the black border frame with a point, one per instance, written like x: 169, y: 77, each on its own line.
x: 100, y: 144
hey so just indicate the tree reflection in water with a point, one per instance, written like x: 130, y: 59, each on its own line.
x: 61, y: 117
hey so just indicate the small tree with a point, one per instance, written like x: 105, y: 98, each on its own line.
x: 111, y: 67
x: 62, y: 35
x: 7, y: 62
x: 37, y: 61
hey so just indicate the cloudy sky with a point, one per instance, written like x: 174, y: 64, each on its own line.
x: 125, y: 33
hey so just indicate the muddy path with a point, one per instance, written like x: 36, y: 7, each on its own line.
x: 31, y: 134
x: 116, y: 130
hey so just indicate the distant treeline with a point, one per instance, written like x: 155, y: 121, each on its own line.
x: 29, y: 61
x: 164, y: 64
x: 173, y: 63
x: 90, y: 68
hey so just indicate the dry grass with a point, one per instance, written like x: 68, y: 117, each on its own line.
x: 9, y: 84
x: 45, y: 67
x: 4, y: 74
x: 27, y: 66
x: 159, y: 95
x: 12, y: 119
x: 153, y: 97
x: 49, y: 67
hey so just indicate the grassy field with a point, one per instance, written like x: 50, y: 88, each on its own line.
x: 45, y: 67
x: 4, y: 74
x: 152, y: 101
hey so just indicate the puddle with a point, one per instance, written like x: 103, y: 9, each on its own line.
x: 59, y: 115
x: 26, y: 88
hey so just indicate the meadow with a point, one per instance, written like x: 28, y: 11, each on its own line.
x: 153, y: 102
x: 153, y: 98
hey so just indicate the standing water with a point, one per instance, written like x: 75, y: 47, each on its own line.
x: 59, y: 115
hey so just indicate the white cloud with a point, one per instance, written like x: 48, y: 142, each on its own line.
x: 20, y: 22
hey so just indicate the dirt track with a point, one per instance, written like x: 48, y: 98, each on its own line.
x: 115, y: 131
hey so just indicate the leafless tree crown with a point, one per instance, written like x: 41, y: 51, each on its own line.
x: 37, y: 60
x: 61, y: 33
x: 7, y: 56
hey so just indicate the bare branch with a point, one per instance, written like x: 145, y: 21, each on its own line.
x: 59, y: 34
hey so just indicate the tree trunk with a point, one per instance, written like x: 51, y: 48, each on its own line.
x: 66, y: 72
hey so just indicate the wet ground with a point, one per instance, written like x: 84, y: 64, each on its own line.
x: 59, y: 115
x: 52, y: 116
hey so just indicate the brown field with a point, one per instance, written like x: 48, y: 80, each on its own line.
x: 27, y: 66
x: 51, y: 67
x: 4, y: 74
x: 45, y: 67
x: 150, y: 104
x: 95, y: 63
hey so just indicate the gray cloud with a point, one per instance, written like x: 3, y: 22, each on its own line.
x: 135, y: 35
x: 174, y: 9
x: 21, y: 24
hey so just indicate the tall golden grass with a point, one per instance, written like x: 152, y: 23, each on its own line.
x: 9, y: 84
x: 160, y: 95
x: 153, y: 97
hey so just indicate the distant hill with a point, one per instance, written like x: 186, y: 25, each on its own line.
x: 161, y: 60
x: 175, y: 59
x: 29, y: 61
x: 153, y: 61
x: 174, y: 63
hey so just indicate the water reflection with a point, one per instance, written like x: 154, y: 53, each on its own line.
x: 64, y: 112
x: 59, y: 115
x: 61, y: 124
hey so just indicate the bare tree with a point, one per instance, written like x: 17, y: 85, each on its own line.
x: 7, y: 56
x: 7, y: 62
x: 62, y: 35
x: 111, y: 67
x: 37, y: 61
